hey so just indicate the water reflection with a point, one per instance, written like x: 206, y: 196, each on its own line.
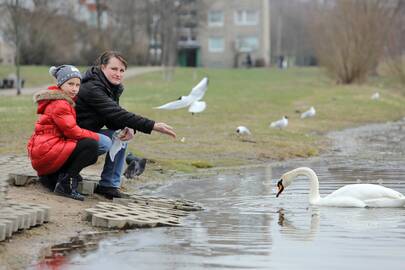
x: 297, y: 232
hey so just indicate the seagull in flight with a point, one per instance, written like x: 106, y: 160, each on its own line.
x: 282, y: 123
x: 310, y: 113
x: 192, y: 100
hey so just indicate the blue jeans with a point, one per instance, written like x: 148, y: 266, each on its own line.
x: 111, y: 175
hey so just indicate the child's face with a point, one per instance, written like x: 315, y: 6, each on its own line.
x: 71, y: 87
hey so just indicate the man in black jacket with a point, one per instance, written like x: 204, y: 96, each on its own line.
x: 97, y: 106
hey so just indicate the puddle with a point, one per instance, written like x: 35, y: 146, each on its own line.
x: 57, y: 256
x: 245, y: 226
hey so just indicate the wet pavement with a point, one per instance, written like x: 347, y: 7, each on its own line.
x: 245, y: 226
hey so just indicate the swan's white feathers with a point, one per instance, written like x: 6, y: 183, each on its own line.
x: 341, y: 202
x: 366, y: 192
x: 384, y: 202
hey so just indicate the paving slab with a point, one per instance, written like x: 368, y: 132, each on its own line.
x: 16, y: 216
x: 138, y: 211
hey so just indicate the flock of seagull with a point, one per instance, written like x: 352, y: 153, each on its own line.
x: 195, y: 105
x: 280, y: 124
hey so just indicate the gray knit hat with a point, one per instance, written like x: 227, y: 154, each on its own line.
x: 64, y: 73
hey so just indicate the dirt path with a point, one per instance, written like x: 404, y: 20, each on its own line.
x: 131, y: 72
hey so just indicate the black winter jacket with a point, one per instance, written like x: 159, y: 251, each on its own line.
x: 97, y: 105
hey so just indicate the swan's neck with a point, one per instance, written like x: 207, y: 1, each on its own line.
x: 314, y: 196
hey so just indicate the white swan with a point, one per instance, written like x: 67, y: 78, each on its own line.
x: 356, y: 195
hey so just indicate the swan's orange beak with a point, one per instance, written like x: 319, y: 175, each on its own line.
x: 280, y: 187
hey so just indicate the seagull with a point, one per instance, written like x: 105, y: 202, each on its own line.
x: 192, y: 100
x: 310, y: 113
x: 243, y: 130
x: 282, y: 123
x: 375, y: 96
x: 135, y: 167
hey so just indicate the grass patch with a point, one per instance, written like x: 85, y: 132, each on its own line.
x: 201, y: 164
x: 252, y: 98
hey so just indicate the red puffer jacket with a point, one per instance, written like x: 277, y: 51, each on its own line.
x: 56, y: 131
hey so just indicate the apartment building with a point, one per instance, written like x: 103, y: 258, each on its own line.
x: 233, y: 31
x: 188, y: 47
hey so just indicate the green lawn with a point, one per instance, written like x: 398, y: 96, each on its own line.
x: 252, y: 98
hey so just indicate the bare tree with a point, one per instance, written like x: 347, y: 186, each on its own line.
x: 289, y: 29
x: 395, y: 48
x: 167, y: 18
x: 169, y: 31
x: 131, y: 29
x: 15, y: 11
x: 349, y: 37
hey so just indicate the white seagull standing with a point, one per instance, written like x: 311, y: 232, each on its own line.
x: 282, y: 123
x: 192, y: 100
x: 243, y: 130
x: 375, y: 96
x: 310, y: 113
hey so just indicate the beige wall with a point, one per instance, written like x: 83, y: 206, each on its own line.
x: 230, y: 32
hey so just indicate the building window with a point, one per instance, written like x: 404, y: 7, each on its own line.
x: 247, y: 44
x: 216, y: 44
x: 246, y: 17
x: 215, y: 18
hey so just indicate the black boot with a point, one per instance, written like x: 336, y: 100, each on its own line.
x: 49, y: 181
x: 67, y: 186
x: 108, y: 192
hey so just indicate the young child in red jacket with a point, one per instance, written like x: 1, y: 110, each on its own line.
x: 59, y: 149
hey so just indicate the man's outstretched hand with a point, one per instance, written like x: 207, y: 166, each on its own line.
x: 165, y: 129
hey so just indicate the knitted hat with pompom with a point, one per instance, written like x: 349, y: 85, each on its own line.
x: 64, y: 73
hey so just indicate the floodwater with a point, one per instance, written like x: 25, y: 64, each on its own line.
x: 244, y: 226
